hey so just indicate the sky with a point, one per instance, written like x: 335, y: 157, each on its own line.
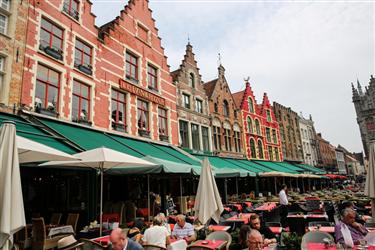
x: 304, y: 54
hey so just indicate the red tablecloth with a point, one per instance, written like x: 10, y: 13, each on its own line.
x: 228, y: 209
x: 103, y: 239
x: 372, y: 229
x: 276, y: 230
x: 248, y: 203
x: 171, y: 226
x: 240, y: 217
x: 321, y: 246
x: 210, y: 244
x: 323, y: 229
x: 316, y: 216
x: 218, y: 228
x: 368, y: 207
x: 267, y: 207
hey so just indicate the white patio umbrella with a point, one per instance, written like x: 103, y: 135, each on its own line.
x: 208, y: 201
x: 12, y: 213
x: 370, y: 178
x: 30, y: 151
x: 104, y: 159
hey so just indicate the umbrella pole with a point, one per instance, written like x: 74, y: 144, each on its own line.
x: 101, y: 199
x: 180, y: 192
x: 373, y: 209
x: 290, y: 183
x: 148, y: 196
x: 275, y: 186
x: 237, y: 186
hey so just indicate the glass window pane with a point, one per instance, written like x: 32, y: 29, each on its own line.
x: 40, y: 91
x: 54, y: 77
x: 75, y: 107
x: 42, y: 73
x: 84, y: 91
x: 46, y: 25
x: 56, y: 43
x: 52, y: 96
x: 76, y: 88
x: 57, y: 31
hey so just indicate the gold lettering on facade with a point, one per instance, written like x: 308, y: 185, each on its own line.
x: 141, y: 92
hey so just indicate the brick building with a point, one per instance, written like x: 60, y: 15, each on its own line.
x: 13, y: 23
x: 114, y: 77
x: 225, y: 120
x: 289, y: 133
x: 260, y: 128
x: 192, y: 105
x: 327, y: 154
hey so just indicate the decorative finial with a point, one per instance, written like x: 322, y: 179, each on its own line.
x: 247, y: 79
x: 219, y: 61
x: 188, y: 39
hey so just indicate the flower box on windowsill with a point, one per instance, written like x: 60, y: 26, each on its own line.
x: 85, y: 68
x: 164, y: 138
x: 119, y: 127
x: 83, y: 121
x: 54, y: 52
x: 144, y: 133
x: 49, y: 112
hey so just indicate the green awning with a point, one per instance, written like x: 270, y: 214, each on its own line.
x: 36, y: 133
x: 225, y: 168
x: 177, y: 154
x: 312, y: 169
x: 274, y: 167
x: 248, y: 165
x: 291, y: 167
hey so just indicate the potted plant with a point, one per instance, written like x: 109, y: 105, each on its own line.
x: 291, y: 241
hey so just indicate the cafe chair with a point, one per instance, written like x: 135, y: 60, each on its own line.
x: 22, y: 239
x: 39, y: 239
x: 72, y: 220
x: 220, y: 235
x: 321, y: 223
x: 315, y: 237
x: 190, y: 247
x: 91, y: 245
x: 55, y: 219
x: 153, y: 247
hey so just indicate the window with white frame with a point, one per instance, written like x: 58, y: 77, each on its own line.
x: 186, y: 99
x: 3, y: 24
x: 195, y: 136
x: 198, y: 106
x: 205, y: 139
x: 2, y: 73
x: 5, y: 4
x: 71, y: 7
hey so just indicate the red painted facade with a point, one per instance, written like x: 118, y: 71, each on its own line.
x: 115, y: 77
x: 260, y: 128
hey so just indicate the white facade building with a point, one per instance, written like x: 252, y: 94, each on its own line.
x: 308, y: 139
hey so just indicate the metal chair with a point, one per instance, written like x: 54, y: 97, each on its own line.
x: 39, y: 239
x: 220, y: 235
x: 91, y: 245
x: 315, y: 237
x: 153, y: 247
x: 72, y: 220
x: 55, y: 219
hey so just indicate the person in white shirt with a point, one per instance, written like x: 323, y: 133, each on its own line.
x: 157, y: 234
x: 283, y: 205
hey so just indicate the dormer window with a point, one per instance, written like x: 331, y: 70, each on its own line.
x: 251, y: 105
x: 192, y: 80
x: 269, y: 118
x: 71, y: 7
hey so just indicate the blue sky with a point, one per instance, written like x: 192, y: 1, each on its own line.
x: 303, y: 54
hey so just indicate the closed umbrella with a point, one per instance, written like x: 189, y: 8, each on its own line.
x: 104, y: 159
x: 12, y: 214
x: 208, y: 201
x: 370, y: 178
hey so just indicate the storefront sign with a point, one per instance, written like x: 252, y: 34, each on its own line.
x: 144, y: 94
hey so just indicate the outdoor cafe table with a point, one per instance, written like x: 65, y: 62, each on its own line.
x: 218, y: 228
x: 309, y: 216
x: 268, y: 207
x: 218, y: 244
x: 104, y: 240
x: 321, y: 246
x: 371, y: 229
x: 68, y: 229
x: 241, y: 218
x: 323, y: 229
x: 177, y: 244
x: 276, y: 230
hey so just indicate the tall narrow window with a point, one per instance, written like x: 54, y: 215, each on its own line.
x: 260, y: 149
x: 198, y: 106
x: 274, y: 136
x: 257, y: 126
x: 47, y: 89
x: 252, y: 149
x: 195, y: 136
x: 51, y: 36
x: 270, y: 153
x: 251, y: 105
x: 249, y: 125
x: 227, y: 140
x: 5, y: 4
x: 237, y: 141
x: 277, y: 154
x: 163, y: 122
x: 268, y: 134
x: 192, y: 80
x: 269, y: 119
x: 184, y: 134
x: 205, y: 139
x: 143, y: 122
x: 2, y: 72
x: 152, y: 77
x: 131, y: 66
x: 83, y: 57
x: 3, y: 24
x: 216, y: 108
x: 81, y: 101
x: 217, y: 138
x: 186, y: 100
x: 226, y: 108
x: 71, y: 8
x: 118, y: 110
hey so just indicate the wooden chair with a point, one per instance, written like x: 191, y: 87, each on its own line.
x: 91, y: 245
x: 220, y: 235
x: 55, y: 219
x: 72, y: 220
x: 190, y: 247
x: 153, y: 247
x: 22, y: 239
x: 39, y: 239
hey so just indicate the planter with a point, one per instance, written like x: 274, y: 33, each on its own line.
x: 164, y: 138
x: 119, y: 127
x: 87, y: 69
x: 55, y: 53
x: 82, y: 121
x: 144, y: 133
x: 48, y: 112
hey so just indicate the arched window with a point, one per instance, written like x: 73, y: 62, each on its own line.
x: 260, y: 149
x: 257, y: 126
x: 252, y: 148
x: 192, y: 80
x: 215, y: 107
x: 226, y: 108
x: 249, y: 125
x: 251, y: 105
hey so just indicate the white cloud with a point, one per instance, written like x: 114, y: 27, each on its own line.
x: 303, y: 54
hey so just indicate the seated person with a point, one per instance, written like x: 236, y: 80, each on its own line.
x: 165, y: 222
x: 183, y: 230
x: 269, y: 236
x: 242, y: 236
x: 121, y: 242
x: 157, y: 234
x: 135, y: 234
x: 349, y: 204
x: 348, y: 231
x: 254, y: 240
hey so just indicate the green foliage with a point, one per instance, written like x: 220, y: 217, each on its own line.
x: 291, y: 241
